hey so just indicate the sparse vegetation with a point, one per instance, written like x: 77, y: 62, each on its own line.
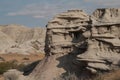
x: 113, y: 75
x: 4, y: 66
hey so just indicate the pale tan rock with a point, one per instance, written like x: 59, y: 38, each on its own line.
x: 103, y: 44
x: 61, y: 38
x: 22, y: 40
x: 79, y: 43
x: 74, y: 31
x: 93, y: 39
x: 99, y: 66
x: 13, y: 74
x: 107, y: 15
x: 5, y: 42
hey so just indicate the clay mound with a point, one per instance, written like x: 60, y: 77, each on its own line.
x: 21, y: 33
x: 5, y: 42
x: 13, y: 30
x: 24, y: 40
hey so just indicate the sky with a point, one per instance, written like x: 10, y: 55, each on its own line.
x: 37, y: 13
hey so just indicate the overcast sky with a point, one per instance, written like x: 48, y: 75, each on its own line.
x: 34, y: 13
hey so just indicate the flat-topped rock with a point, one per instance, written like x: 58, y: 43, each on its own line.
x: 71, y: 18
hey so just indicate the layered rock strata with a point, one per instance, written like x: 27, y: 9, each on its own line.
x: 79, y: 43
x: 103, y: 50
x: 22, y: 40
x: 93, y: 39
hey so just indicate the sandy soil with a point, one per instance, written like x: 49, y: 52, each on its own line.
x: 1, y: 77
x: 22, y: 58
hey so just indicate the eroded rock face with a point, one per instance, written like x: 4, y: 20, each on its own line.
x: 22, y: 40
x: 64, y: 32
x: 103, y: 51
x: 78, y: 43
x: 95, y: 39
x: 61, y: 39
x: 110, y: 15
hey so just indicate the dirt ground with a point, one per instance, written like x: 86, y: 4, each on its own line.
x: 21, y: 58
x: 1, y: 78
x: 115, y: 75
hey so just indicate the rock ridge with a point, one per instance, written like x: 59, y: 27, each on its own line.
x: 22, y: 40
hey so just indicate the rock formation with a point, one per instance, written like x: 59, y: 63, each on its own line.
x: 103, y: 50
x: 79, y: 43
x: 22, y: 40
x: 94, y: 39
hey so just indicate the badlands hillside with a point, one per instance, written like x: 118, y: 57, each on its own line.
x: 20, y: 46
x: 76, y: 43
x: 20, y: 39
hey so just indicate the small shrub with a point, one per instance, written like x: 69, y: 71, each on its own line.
x: 4, y: 67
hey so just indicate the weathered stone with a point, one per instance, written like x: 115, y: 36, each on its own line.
x: 60, y: 41
x: 76, y: 42
x: 22, y: 40
x: 103, y: 44
x: 94, y: 44
x: 95, y: 38
x: 109, y: 15
x: 13, y: 74
x: 61, y: 37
